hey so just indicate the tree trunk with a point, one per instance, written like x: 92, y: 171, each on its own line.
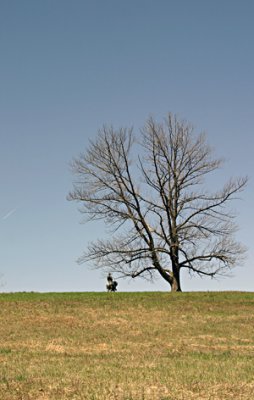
x: 173, y: 278
x: 175, y: 283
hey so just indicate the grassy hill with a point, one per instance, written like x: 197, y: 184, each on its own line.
x: 127, y: 346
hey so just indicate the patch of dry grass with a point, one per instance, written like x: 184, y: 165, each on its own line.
x: 127, y: 346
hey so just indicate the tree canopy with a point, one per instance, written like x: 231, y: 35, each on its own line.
x: 150, y: 189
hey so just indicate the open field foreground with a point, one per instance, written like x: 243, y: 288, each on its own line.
x: 127, y: 346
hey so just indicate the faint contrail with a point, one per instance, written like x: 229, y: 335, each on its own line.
x: 9, y: 213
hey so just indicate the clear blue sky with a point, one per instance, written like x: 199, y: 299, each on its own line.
x: 67, y: 67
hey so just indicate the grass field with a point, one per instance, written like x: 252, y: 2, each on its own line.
x: 127, y: 346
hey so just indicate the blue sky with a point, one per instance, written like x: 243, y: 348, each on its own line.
x: 67, y: 67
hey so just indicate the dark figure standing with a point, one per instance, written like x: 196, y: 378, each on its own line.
x: 111, y: 285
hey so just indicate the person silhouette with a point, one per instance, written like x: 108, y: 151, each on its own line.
x: 111, y: 285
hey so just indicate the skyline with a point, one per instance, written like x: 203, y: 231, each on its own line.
x: 68, y: 68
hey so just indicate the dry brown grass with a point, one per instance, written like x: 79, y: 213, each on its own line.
x: 127, y: 346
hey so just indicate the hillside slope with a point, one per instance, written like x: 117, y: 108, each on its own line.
x: 127, y: 346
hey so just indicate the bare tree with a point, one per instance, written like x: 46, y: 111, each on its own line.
x: 162, y: 217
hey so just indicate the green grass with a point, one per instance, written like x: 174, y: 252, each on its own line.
x: 127, y: 346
